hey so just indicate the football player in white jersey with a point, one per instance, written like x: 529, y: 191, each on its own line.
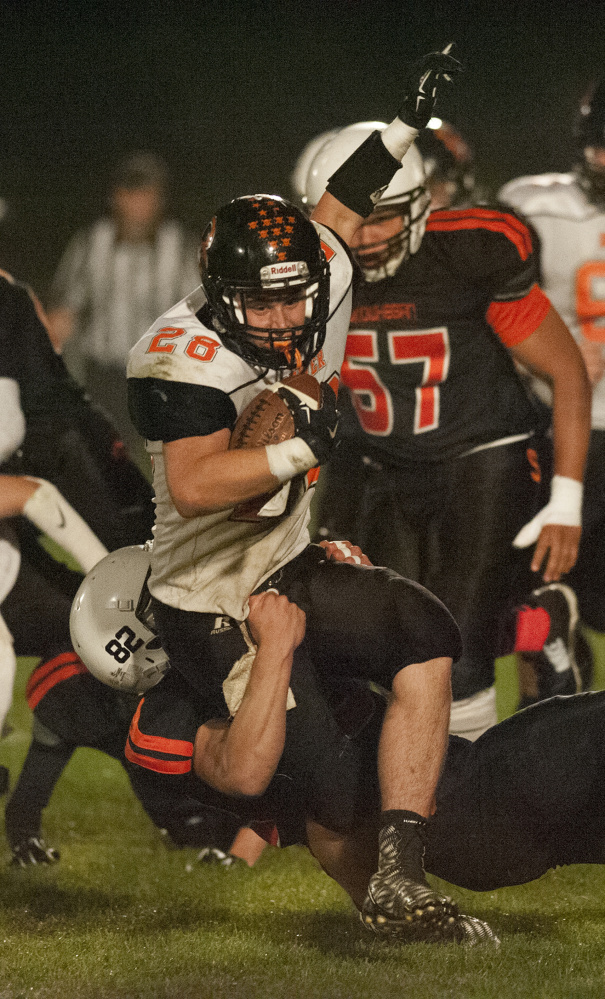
x: 276, y: 299
x: 568, y: 212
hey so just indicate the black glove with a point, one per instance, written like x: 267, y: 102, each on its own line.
x: 32, y: 851
x: 317, y: 427
x: 423, y: 82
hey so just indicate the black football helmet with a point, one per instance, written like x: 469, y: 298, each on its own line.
x: 590, y: 136
x: 261, y: 246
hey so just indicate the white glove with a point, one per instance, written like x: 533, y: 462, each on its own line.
x: 565, y: 507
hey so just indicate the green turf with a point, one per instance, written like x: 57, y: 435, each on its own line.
x: 122, y: 916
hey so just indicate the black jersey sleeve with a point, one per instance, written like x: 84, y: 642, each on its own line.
x: 489, y: 247
x: 166, y: 411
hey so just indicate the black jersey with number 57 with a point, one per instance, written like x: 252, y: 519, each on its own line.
x: 428, y: 364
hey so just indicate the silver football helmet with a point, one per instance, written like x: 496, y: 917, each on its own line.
x: 111, y: 622
x: 298, y: 177
x: 405, y: 197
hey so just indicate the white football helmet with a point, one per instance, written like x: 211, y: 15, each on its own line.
x: 111, y: 622
x: 298, y: 177
x: 406, y: 196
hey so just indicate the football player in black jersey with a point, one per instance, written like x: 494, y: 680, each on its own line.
x: 524, y: 798
x: 51, y: 430
x: 445, y: 441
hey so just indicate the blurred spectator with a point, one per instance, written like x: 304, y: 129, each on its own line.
x: 115, y: 278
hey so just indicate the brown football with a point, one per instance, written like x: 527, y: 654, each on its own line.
x: 268, y: 420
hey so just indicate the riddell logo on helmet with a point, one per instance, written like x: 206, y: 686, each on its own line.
x: 289, y: 269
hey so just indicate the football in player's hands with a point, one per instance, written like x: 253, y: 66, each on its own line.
x: 269, y: 419
x: 316, y: 422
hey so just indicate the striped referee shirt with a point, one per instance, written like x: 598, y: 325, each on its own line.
x: 117, y: 289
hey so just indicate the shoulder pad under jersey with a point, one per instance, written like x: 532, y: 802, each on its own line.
x: 555, y: 194
x: 179, y: 348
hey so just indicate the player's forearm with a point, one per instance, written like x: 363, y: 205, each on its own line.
x: 220, y: 481
x: 571, y: 424
x: 15, y: 490
x: 243, y: 759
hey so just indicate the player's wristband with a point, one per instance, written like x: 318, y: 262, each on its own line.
x: 565, y: 505
x: 361, y: 180
x: 398, y: 137
x: 289, y: 458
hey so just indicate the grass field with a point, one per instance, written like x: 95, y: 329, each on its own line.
x: 123, y: 916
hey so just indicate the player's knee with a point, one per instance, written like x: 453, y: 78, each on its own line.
x: 426, y: 624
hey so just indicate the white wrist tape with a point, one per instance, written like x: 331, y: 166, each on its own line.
x: 289, y: 458
x: 398, y: 137
x: 51, y: 512
x: 565, y: 505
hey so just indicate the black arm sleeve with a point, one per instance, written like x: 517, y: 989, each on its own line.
x: 169, y: 411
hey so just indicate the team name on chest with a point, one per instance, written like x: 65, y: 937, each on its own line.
x: 384, y: 311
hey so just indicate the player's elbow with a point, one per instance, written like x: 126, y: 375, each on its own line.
x: 195, y: 500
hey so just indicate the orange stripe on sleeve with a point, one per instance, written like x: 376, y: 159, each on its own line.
x: 158, y: 743
x: 484, y: 218
x: 160, y: 766
x: 515, y: 321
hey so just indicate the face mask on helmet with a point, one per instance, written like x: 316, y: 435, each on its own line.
x: 111, y: 622
x: 267, y: 282
x: 405, y: 199
x: 590, y: 136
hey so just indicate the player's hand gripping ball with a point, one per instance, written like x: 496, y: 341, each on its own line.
x: 268, y: 419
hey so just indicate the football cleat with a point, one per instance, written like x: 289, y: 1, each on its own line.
x: 556, y: 667
x: 399, y: 908
x: 401, y: 911
x: 212, y: 855
x: 32, y: 852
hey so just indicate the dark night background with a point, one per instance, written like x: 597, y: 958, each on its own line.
x: 229, y: 92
